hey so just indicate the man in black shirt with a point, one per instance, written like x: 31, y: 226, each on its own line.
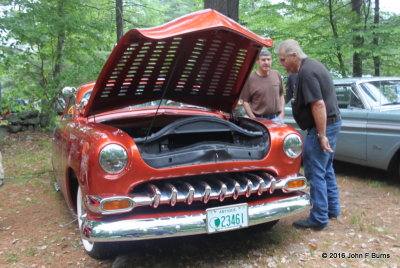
x: 315, y: 109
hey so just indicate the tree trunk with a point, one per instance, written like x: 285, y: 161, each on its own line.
x: 358, y: 40
x: 377, y: 59
x: 61, y: 36
x: 229, y: 8
x: 339, y: 54
x: 119, y: 18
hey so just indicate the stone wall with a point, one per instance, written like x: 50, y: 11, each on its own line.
x: 26, y: 120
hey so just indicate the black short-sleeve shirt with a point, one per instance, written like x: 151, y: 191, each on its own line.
x: 290, y: 87
x: 314, y: 83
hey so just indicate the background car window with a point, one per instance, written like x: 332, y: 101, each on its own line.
x: 373, y: 94
x: 343, y: 96
x: 347, y: 98
x: 389, y: 88
x: 355, y: 101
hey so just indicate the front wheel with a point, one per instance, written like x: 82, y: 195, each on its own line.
x: 97, y: 250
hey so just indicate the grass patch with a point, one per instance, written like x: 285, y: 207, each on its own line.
x: 30, y: 252
x: 11, y: 257
x: 358, y: 220
x: 26, y: 156
x: 28, y: 201
x: 355, y: 219
x: 376, y: 184
x: 75, y: 244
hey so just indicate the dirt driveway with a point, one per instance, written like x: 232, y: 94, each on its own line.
x: 37, y: 230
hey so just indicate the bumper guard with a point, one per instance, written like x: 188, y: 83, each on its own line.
x: 163, y: 227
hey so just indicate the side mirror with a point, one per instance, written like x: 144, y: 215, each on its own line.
x: 68, y: 91
x: 82, y: 106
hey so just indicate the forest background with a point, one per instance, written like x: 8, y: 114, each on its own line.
x: 47, y: 45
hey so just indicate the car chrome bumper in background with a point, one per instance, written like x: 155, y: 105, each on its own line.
x: 128, y: 230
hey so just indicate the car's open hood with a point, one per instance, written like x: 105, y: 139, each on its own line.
x: 202, y: 59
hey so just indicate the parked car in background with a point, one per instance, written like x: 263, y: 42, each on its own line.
x: 59, y: 105
x: 370, y: 134
x: 153, y: 149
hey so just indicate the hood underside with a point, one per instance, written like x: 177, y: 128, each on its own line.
x: 201, y: 59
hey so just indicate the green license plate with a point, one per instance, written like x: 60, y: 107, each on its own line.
x: 226, y: 218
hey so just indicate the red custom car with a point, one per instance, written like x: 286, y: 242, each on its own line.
x: 153, y: 149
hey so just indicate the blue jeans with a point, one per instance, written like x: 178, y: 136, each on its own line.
x: 318, y: 169
x: 272, y: 118
x: 277, y: 119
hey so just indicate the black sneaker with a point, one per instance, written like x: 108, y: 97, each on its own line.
x: 305, y: 224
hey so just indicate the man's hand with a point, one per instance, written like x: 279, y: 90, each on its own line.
x: 248, y: 110
x: 324, y: 143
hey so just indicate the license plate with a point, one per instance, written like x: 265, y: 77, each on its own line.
x: 226, y: 218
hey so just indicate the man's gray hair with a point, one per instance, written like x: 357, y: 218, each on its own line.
x: 264, y: 52
x: 291, y: 46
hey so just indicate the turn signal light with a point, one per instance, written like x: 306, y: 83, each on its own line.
x: 296, y: 184
x: 116, y: 205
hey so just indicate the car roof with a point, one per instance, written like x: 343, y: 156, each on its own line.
x: 353, y: 80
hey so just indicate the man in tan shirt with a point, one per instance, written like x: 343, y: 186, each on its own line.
x: 262, y: 94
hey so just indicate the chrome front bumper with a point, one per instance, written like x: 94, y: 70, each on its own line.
x: 128, y: 230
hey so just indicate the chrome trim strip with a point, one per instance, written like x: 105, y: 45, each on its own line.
x: 202, y: 190
x: 129, y: 230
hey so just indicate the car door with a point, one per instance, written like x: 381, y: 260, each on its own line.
x: 383, y: 139
x: 352, y: 139
x: 60, y: 143
x: 351, y: 142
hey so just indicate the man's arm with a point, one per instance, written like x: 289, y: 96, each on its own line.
x: 281, y: 98
x: 282, y: 114
x: 248, y: 110
x: 319, y: 114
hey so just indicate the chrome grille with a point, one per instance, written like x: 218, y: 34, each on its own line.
x: 203, y: 188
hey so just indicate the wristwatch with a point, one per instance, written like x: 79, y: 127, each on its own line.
x: 321, y: 135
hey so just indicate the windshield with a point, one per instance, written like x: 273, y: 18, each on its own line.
x: 164, y: 103
x: 167, y: 103
x: 379, y: 93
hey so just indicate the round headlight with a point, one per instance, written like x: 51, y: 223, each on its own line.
x: 292, y: 145
x: 113, y: 158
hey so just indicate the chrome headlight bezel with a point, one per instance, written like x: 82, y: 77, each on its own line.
x: 113, y: 158
x: 293, y: 145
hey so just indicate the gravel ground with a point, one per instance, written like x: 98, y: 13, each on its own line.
x: 37, y: 230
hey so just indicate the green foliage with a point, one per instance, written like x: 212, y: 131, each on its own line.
x: 309, y: 23
x: 149, y: 13
x: 46, y: 45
